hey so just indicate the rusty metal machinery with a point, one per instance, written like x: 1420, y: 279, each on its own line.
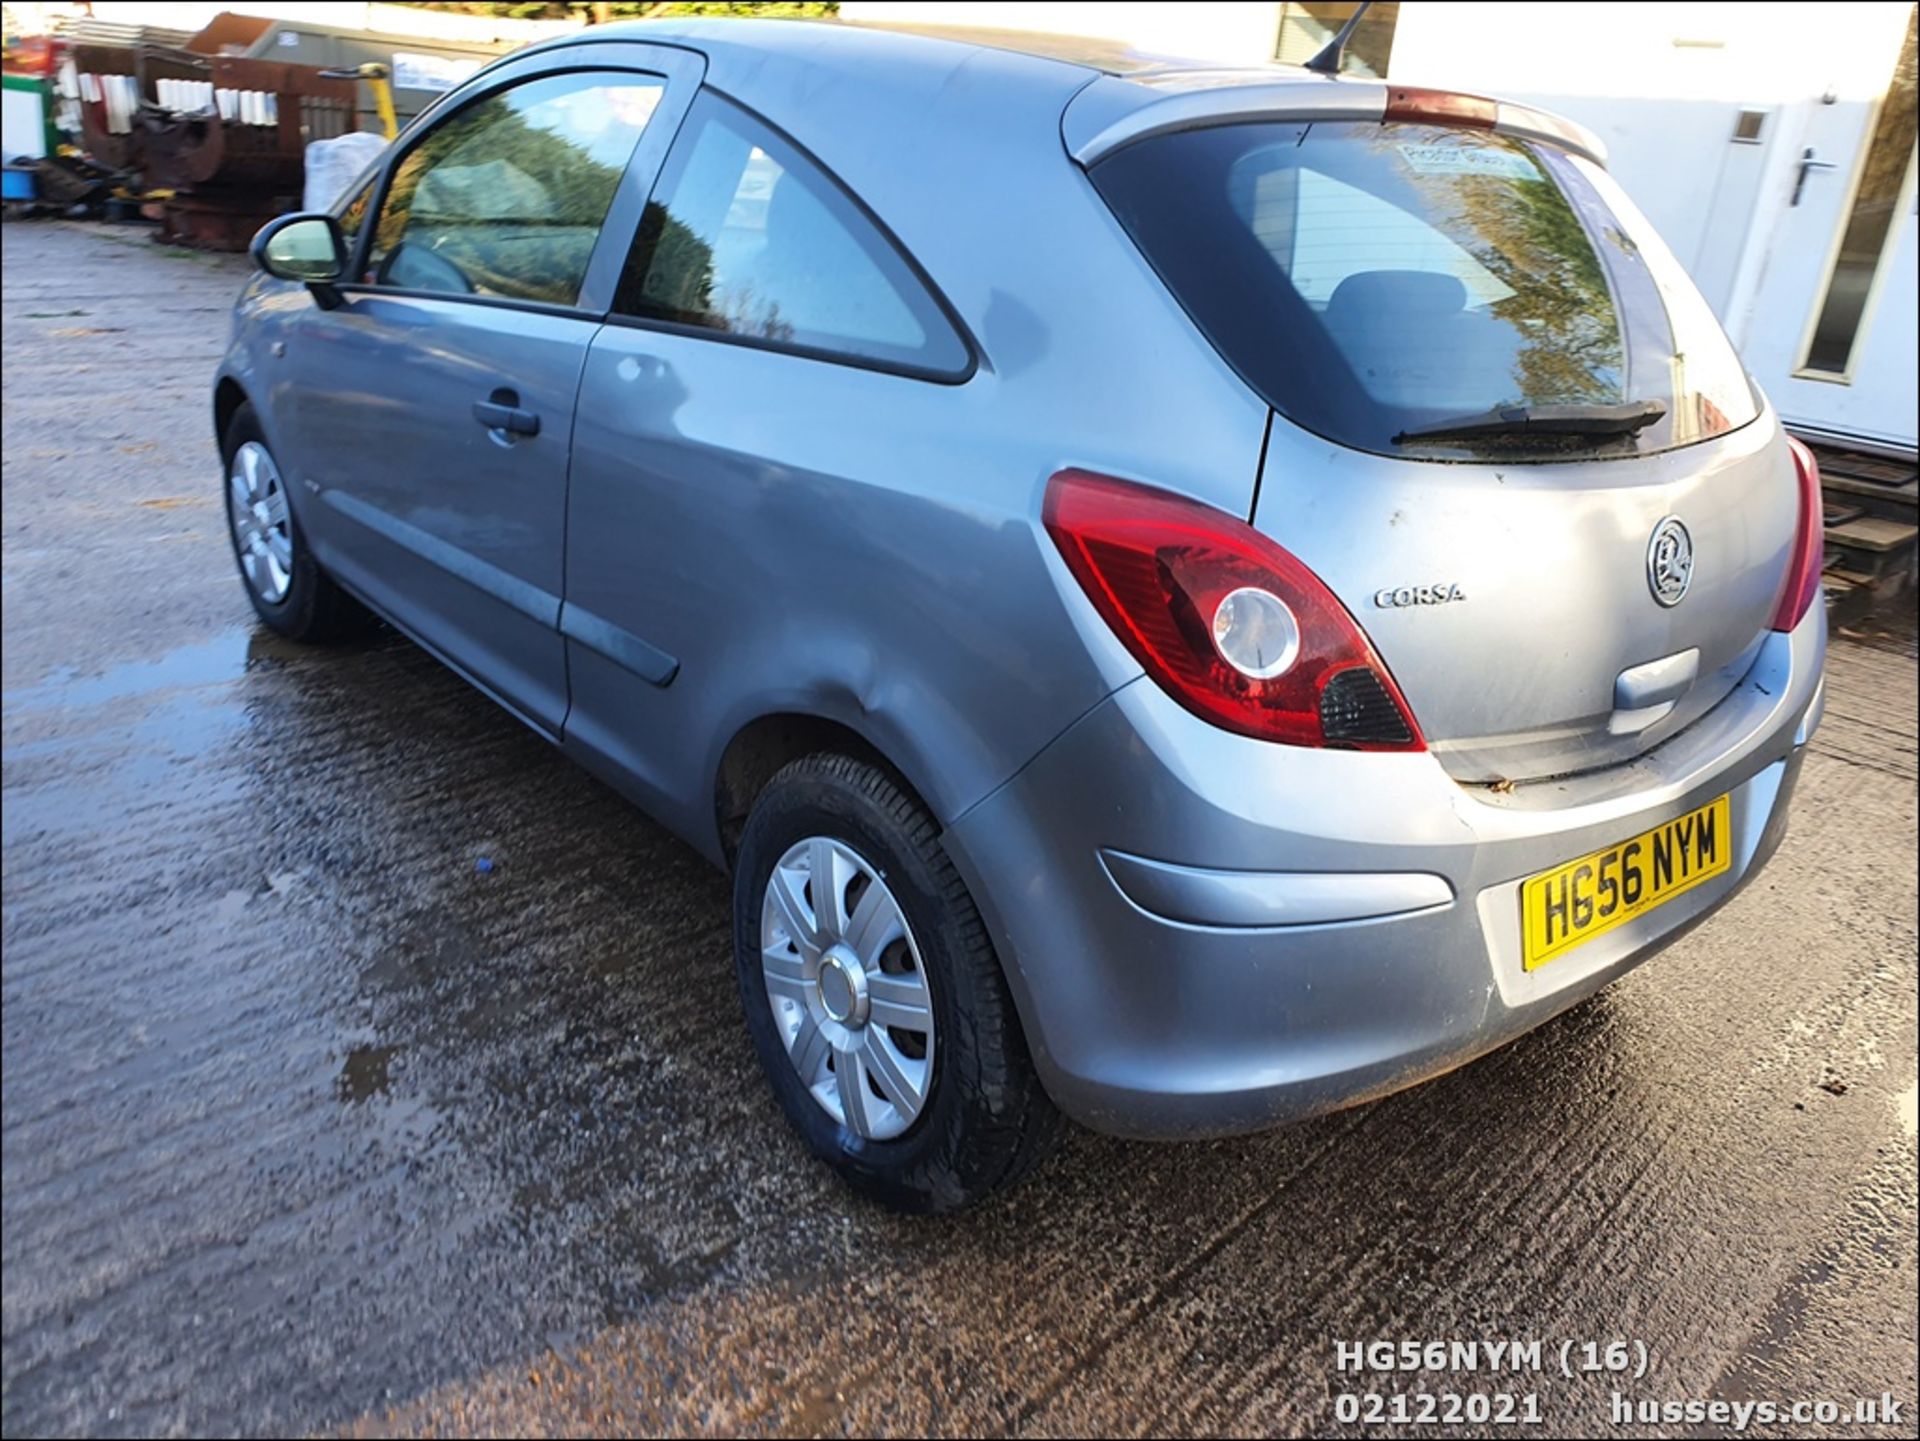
x: 219, y: 140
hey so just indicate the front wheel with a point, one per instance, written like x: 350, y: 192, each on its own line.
x: 873, y: 994
x: 288, y: 589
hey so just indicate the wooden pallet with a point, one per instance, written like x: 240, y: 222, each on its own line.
x: 1871, y: 506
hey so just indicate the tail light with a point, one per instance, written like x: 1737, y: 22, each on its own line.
x: 1230, y: 625
x: 1809, y: 543
x: 1441, y: 107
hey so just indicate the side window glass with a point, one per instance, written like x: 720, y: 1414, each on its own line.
x: 506, y: 196
x: 353, y: 214
x: 747, y: 236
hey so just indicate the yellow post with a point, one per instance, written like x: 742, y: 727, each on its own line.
x: 380, y: 77
x: 383, y: 100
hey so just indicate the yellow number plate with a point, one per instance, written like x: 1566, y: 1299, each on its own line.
x: 1589, y: 897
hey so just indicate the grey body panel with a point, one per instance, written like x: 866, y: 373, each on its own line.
x: 422, y: 511
x: 803, y: 536
x: 453, y: 531
x: 1518, y: 679
x: 1203, y: 932
x: 1148, y: 1026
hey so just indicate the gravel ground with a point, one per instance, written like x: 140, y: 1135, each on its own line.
x: 311, y: 1125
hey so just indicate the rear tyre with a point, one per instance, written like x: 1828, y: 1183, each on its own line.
x: 875, y: 1000
x: 289, y: 591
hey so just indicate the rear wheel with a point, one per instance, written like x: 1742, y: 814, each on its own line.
x: 873, y: 994
x: 288, y: 589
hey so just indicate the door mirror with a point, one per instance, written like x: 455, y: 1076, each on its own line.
x: 307, y: 248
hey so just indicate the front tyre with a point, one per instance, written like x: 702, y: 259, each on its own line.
x: 288, y: 589
x: 873, y: 994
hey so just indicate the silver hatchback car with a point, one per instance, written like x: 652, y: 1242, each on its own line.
x: 1185, y: 597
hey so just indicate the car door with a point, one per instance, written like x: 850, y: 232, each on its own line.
x: 772, y: 360
x: 433, y: 407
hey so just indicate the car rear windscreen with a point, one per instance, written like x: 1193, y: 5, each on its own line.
x: 1428, y: 292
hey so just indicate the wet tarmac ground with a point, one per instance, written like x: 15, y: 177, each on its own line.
x: 313, y: 1121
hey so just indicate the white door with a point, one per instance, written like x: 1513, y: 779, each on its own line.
x: 1831, y: 332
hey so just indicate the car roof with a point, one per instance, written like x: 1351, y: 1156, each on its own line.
x: 1109, y: 57
x: 930, y: 51
x: 1099, y: 94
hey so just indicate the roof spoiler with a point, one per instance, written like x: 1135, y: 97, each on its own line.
x: 1106, y: 122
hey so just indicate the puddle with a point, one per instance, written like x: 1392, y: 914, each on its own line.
x: 365, y: 1074
x: 226, y: 657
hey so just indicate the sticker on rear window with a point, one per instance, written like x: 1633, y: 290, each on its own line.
x: 1459, y: 160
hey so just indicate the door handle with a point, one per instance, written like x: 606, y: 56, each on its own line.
x: 1807, y: 162
x: 501, y: 411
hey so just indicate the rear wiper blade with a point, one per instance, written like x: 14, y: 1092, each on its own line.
x: 1522, y: 420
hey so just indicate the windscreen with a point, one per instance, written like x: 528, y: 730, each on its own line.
x: 1429, y: 292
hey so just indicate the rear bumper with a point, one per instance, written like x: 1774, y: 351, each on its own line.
x: 1207, y: 934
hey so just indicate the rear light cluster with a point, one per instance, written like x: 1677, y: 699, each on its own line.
x: 1809, y: 544
x: 1441, y: 107
x: 1228, y: 624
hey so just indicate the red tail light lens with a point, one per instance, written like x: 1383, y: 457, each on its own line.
x: 1441, y: 107
x: 1809, y: 544
x: 1185, y: 587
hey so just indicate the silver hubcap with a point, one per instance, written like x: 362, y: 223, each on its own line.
x: 262, y: 533
x: 848, y: 991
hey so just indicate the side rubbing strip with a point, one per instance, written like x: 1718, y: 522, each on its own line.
x: 622, y: 647
x: 511, y: 591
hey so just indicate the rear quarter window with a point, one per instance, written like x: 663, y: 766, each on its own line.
x: 1374, y: 282
x: 747, y: 236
